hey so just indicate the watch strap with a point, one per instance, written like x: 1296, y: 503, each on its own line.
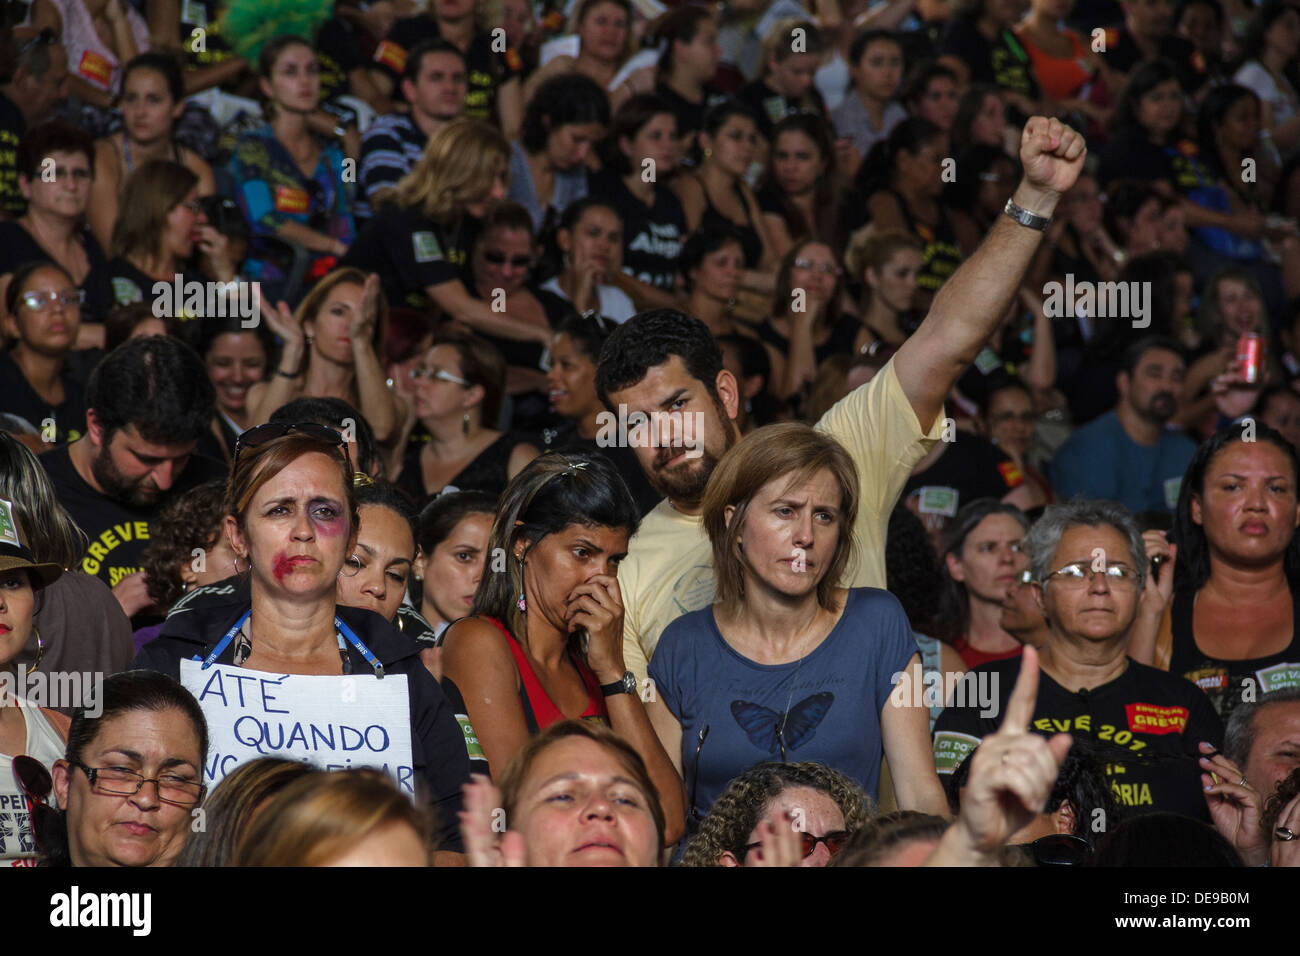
x: 1026, y: 218
x: 619, y: 686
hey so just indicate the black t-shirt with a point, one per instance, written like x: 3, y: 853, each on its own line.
x: 118, y: 533
x: 1123, y: 54
x: 338, y: 49
x: 1144, y: 725
x: 1001, y: 61
x: 652, y: 235
x: 690, y: 116
x: 770, y: 107
x: 1228, y: 683
x: 411, y: 252
x: 529, y: 354
x: 486, y: 69
x: 12, y: 129
x: 624, y: 460
x: 19, y: 398
x: 18, y: 246
x: 972, y: 467
x: 202, y: 15
x: 129, y: 285
x: 1130, y: 154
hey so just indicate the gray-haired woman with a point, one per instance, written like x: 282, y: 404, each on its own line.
x: 1088, y: 566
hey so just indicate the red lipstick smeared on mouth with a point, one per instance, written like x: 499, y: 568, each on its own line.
x: 284, y: 565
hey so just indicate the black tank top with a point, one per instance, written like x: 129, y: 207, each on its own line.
x: 942, y: 254
x: 1227, y: 683
x: 839, y: 342
x: 751, y: 243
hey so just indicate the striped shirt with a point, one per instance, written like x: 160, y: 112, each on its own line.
x: 389, y: 150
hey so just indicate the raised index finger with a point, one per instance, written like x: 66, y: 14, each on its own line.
x: 1024, y: 696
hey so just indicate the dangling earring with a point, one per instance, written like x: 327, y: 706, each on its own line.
x: 464, y: 425
x: 521, y: 603
x: 40, y: 650
x: 707, y: 152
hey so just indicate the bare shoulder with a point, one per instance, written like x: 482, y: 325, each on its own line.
x: 60, y: 722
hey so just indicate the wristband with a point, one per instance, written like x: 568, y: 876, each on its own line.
x: 283, y: 374
x: 1025, y: 217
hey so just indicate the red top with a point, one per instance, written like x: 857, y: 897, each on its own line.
x: 974, y: 658
x: 536, y: 702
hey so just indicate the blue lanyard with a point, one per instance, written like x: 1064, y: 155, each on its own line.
x: 342, y: 628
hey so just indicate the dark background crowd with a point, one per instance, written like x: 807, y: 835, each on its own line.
x: 323, y: 322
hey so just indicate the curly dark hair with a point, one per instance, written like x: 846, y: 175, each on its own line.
x: 737, y: 811
x: 1287, y: 790
x: 1081, y: 782
x: 193, y: 520
x: 651, y: 338
x: 913, y: 573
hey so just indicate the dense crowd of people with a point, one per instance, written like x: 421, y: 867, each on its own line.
x: 836, y: 432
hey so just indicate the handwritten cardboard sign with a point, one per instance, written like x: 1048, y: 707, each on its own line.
x: 335, y: 723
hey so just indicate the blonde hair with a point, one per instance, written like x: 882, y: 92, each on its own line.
x: 310, y: 306
x: 778, y: 43
x: 871, y: 249
x: 458, y: 167
x: 319, y: 816
x: 789, y: 450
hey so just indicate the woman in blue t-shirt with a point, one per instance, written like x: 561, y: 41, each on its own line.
x: 787, y: 665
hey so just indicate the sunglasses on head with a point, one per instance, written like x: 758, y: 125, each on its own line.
x: 1059, y: 849
x: 834, y: 843
x: 36, y: 783
x: 261, y: 434
x: 500, y: 258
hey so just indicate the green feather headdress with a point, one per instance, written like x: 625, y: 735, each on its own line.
x: 247, y: 25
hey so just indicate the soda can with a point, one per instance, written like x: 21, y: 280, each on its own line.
x: 1250, y: 354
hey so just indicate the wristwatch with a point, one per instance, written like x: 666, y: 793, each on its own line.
x: 1025, y: 217
x: 624, y: 685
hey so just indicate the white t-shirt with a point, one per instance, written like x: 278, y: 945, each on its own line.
x: 614, y: 303
x: 17, y: 848
x: 1256, y: 78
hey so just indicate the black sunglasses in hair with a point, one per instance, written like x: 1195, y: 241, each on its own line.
x: 36, y: 783
x: 46, y: 37
x: 1059, y: 849
x: 259, y: 435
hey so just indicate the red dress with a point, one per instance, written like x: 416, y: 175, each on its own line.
x: 539, y: 710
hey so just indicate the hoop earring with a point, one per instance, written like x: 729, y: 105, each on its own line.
x: 247, y: 569
x: 40, y: 650
x: 350, y: 562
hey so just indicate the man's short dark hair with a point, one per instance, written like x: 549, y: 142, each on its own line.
x: 651, y: 338
x: 1133, y: 354
x: 156, y: 383
x: 425, y: 48
x: 332, y: 412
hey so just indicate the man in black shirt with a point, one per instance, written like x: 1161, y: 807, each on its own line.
x: 148, y: 403
x: 38, y: 85
x: 1088, y: 567
x: 1148, y: 34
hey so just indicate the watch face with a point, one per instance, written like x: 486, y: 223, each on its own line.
x: 629, y: 683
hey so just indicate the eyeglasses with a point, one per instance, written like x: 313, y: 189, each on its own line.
x: 36, y: 301
x: 834, y: 843
x: 36, y: 783
x: 1080, y: 574
x: 441, y: 375
x: 46, y: 37
x: 261, y: 434
x: 178, y: 791
x: 1059, y: 849
x: 499, y: 259
x: 827, y: 268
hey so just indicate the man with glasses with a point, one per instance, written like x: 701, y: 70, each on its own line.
x: 147, y: 405
x: 38, y: 85
x: 1088, y: 568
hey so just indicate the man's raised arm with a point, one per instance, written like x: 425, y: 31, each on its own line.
x: 973, y: 301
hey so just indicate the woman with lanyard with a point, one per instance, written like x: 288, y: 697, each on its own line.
x: 291, y: 182
x: 546, y: 639
x: 788, y: 665
x: 152, y: 100
x: 1225, y: 615
x: 902, y: 178
x: 292, y: 521
x: 31, y: 737
x: 421, y: 233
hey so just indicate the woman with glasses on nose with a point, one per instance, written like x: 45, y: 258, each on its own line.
x: 459, y: 388
x: 830, y: 807
x: 292, y: 521
x: 807, y: 325
x: 31, y: 736
x: 1089, y: 569
x: 159, y: 229
x: 42, y: 317
x: 131, y: 776
x: 55, y: 168
x: 787, y: 665
x: 590, y: 238
x: 545, y: 639
x: 1007, y: 416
